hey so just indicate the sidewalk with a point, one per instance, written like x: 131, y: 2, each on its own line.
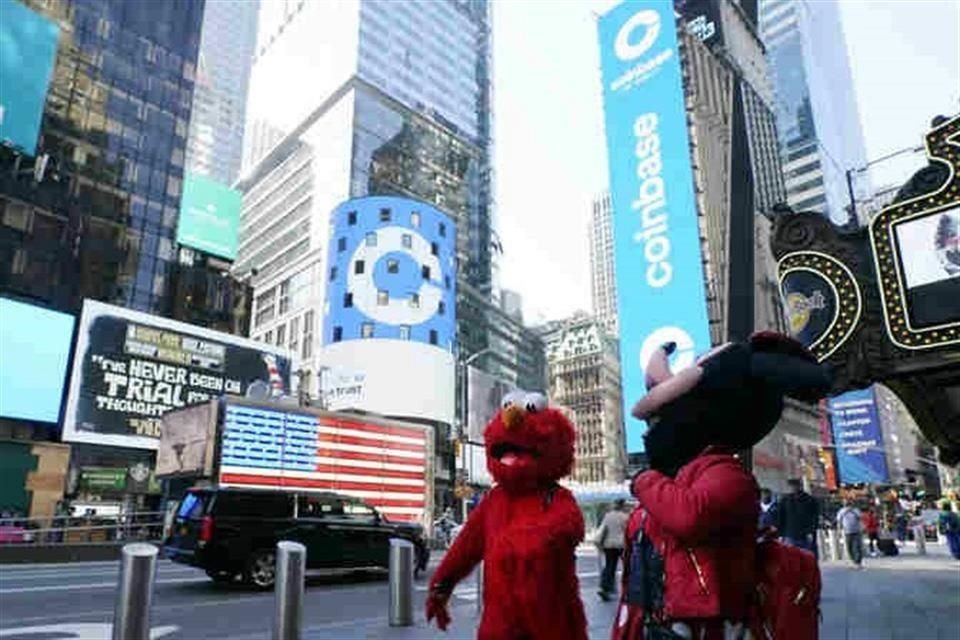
x: 909, y: 597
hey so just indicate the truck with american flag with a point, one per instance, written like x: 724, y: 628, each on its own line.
x: 244, y: 474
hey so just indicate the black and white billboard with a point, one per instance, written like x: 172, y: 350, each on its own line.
x: 929, y: 249
x: 130, y: 368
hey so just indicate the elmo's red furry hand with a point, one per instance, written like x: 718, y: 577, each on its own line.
x: 437, y: 607
x: 525, y: 531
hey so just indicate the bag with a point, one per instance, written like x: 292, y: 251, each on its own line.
x: 787, y: 603
x: 887, y: 547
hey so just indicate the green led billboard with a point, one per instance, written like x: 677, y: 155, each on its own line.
x: 209, y: 217
x: 28, y: 49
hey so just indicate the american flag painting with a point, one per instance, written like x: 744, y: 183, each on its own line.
x: 383, y: 464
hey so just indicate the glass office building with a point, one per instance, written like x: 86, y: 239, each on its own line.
x: 819, y: 129
x: 94, y: 213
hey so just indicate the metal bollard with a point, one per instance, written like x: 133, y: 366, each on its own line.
x: 480, y: 588
x: 837, y: 545
x: 291, y: 567
x: 131, y: 615
x: 401, y: 583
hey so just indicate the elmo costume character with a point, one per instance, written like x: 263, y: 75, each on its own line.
x: 690, y: 554
x: 525, y: 530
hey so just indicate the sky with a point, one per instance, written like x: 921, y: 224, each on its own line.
x: 550, y: 154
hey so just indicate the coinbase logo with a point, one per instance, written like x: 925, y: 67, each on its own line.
x: 368, y: 297
x: 626, y: 46
x: 683, y: 357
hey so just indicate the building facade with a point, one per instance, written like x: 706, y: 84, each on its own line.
x: 911, y: 459
x: 583, y: 365
x: 603, y: 290
x: 819, y: 128
x: 100, y: 222
x: 227, y: 44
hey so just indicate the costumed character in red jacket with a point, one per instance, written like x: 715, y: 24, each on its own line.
x: 525, y: 530
x: 689, y: 559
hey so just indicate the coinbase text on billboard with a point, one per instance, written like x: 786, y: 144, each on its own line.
x: 660, y: 287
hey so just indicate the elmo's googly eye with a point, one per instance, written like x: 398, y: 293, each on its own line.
x: 514, y: 398
x: 534, y: 402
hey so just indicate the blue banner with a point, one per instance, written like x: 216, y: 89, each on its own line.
x: 659, y: 273
x: 28, y: 49
x: 858, y: 438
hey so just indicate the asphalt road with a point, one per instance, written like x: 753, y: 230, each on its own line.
x: 43, y: 602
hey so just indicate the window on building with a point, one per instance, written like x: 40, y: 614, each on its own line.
x: 358, y: 267
x: 433, y: 336
x: 268, y: 337
x: 371, y: 239
x: 333, y: 273
x: 337, y: 334
x: 407, y: 241
x: 366, y: 330
x: 441, y: 307
x: 294, y: 335
x: 351, y: 218
x: 434, y: 248
x: 425, y: 272
x: 404, y: 332
x: 443, y: 230
x: 415, y: 219
x: 284, y: 296
x: 266, y: 309
x: 415, y: 300
x: 307, y: 334
x: 282, y: 335
x: 384, y: 215
x: 341, y: 245
x: 383, y: 298
x: 348, y: 299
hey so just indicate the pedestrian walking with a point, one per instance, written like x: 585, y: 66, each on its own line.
x: 848, y: 519
x: 919, y: 526
x: 768, y: 509
x: 797, y: 516
x: 610, y: 538
x: 871, y: 525
x: 949, y: 523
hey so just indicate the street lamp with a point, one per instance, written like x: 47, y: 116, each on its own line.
x: 858, y: 170
x: 464, y: 436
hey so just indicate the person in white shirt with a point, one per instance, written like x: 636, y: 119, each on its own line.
x: 848, y: 519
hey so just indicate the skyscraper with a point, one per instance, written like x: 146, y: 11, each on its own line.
x: 397, y: 103
x: 819, y: 129
x: 215, y: 143
x: 93, y: 213
x: 603, y: 293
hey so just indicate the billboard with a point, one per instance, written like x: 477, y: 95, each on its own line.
x: 392, y: 273
x: 130, y: 368
x: 34, y: 352
x: 188, y: 442
x: 660, y: 290
x: 382, y: 462
x: 858, y: 439
x: 398, y: 378
x: 484, y: 394
x: 929, y: 247
x: 28, y: 50
x: 209, y: 216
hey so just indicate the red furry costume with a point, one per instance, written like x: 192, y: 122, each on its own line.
x: 525, y: 531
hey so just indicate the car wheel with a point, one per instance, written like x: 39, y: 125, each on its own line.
x: 262, y: 569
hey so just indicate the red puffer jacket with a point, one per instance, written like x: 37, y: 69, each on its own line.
x: 704, y: 525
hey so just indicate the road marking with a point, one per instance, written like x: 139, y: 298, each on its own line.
x: 100, y: 572
x: 85, y: 630
x: 94, y: 585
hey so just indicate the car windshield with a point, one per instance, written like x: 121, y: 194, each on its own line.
x: 191, y: 508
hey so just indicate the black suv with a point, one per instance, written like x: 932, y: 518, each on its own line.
x: 231, y: 532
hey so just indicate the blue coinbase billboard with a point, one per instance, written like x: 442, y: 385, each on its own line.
x: 28, y: 48
x: 660, y: 288
x: 392, y: 272
x: 857, y: 436
x: 34, y: 352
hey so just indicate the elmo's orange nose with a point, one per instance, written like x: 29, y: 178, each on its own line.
x: 512, y: 416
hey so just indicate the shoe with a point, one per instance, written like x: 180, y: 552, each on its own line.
x: 604, y: 596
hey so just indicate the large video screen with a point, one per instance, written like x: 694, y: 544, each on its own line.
x: 28, y: 49
x: 929, y: 249
x: 209, y: 216
x: 861, y: 456
x: 130, y: 368
x: 34, y: 352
